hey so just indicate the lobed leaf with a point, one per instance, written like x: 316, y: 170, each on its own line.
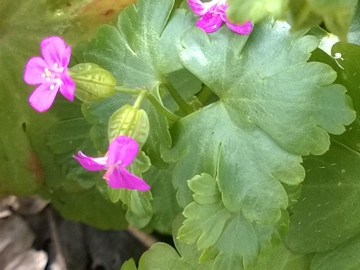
x: 212, y: 227
x: 274, y: 107
x: 327, y: 212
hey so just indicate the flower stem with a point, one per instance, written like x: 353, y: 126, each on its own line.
x: 136, y: 91
x: 204, y: 94
x: 143, y: 93
x: 178, y: 99
x: 140, y: 98
x: 161, y: 109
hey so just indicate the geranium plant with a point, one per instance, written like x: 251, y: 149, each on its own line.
x: 231, y: 125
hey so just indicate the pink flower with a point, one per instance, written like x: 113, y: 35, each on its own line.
x: 50, y: 72
x: 122, y: 151
x: 214, y: 14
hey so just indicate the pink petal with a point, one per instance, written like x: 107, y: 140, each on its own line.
x: 197, y: 6
x: 119, y: 177
x: 42, y: 98
x: 90, y: 163
x: 242, y: 29
x: 67, y: 89
x: 34, y: 68
x: 55, y: 52
x: 122, y: 150
x: 210, y: 22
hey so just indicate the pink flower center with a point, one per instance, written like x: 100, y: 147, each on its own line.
x: 53, y: 75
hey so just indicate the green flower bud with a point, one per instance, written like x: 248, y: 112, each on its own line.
x: 92, y: 82
x: 130, y: 121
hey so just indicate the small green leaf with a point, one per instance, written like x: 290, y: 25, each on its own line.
x: 129, y: 265
x: 162, y: 256
x: 93, y: 83
x: 212, y: 227
x: 130, y: 121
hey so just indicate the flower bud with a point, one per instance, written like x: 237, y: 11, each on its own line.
x: 129, y: 121
x: 93, y: 83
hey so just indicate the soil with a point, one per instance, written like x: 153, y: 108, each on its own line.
x: 33, y: 236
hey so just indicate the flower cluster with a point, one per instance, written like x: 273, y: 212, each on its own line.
x: 50, y: 72
x: 213, y: 15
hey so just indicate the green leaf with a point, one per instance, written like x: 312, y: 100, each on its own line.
x: 92, y: 82
x: 89, y: 206
x: 354, y: 31
x: 143, y: 47
x: 164, y: 204
x: 163, y: 257
x: 273, y: 108
x: 64, y: 139
x: 280, y: 258
x: 327, y: 211
x: 141, y: 52
x: 66, y: 136
x: 129, y: 265
x: 345, y: 256
x: 99, y: 114
x: 129, y: 121
x: 212, y: 227
x: 255, y: 10
x: 336, y: 14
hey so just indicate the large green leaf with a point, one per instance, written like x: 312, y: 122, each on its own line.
x: 327, y: 213
x: 273, y: 108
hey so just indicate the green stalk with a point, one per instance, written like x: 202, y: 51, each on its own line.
x: 204, y: 94
x: 161, y: 109
x: 140, y: 98
x: 122, y: 89
x: 142, y: 93
x: 178, y: 99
